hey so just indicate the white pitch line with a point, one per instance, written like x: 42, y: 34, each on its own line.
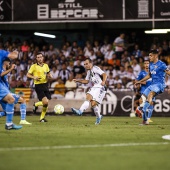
x: 82, y: 146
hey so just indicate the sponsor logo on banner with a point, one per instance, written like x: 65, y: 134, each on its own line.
x: 119, y: 103
x: 69, y: 9
x: 162, y: 106
x: 143, y: 8
x: 5, y: 10
x: 108, y: 106
x: 162, y: 8
x: 1, y: 10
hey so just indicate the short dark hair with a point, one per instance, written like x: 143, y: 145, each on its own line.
x: 39, y: 53
x: 90, y: 61
x: 154, y: 51
x: 7, y: 59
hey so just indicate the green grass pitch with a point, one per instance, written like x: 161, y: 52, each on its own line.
x: 75, y: 143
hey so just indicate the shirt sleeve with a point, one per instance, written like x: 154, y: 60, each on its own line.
x: 48, y: 69
x: 164, y: 66
x: 140, y: 76
x: 31, y: 70
x: 4, y: 54
x: 88, y: 75
x: 98, y: 70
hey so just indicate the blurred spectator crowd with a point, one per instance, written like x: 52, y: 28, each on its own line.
x: 121, y: 59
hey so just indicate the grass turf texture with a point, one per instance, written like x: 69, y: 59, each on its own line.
x: 78, y: 131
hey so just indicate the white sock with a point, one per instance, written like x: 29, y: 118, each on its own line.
x: 96, y: 111
x: 143, y: 100
x: 9, y: 124
x: 84, y: 106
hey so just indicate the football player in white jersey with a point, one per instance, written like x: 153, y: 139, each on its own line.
x: 96, y: 93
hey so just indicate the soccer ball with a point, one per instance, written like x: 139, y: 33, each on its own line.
x: 59, y: 109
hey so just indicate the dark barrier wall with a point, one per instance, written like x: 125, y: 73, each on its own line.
x: 116, y: 103
x: 67, y: 10
x: 5, y: 10
x: 71, y: 10
x: 121, y: 104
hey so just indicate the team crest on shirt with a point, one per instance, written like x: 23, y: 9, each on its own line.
x: 153, y: 72
x: 155, y: 67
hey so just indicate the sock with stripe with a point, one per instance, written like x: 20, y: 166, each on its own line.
x: 145, y: 108
x: 96, y: 111
x: 150, y: 110
x: 23, y: 111
x: 9, y: 114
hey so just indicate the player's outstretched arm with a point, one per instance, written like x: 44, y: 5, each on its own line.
x: 7, y: 71
x: 13, y: 55
x: 143, y: 80
x: 81, y: 81
x: 104, y: 79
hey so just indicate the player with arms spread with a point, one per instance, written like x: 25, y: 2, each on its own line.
x: 157, y: 71
x: 40, y: 73
x: 96, y: 93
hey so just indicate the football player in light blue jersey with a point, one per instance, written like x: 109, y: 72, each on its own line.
x: 7, y: 68
x: 144, y: 85
x: 157, y: 71
x: 5, y: 94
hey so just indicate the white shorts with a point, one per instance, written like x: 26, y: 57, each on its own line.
x: 97, y: 93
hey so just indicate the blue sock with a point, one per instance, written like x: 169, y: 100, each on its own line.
x: 9, y: 113
x: 150, y: 110
x: 145, y: 107
x: 2, y: 114
x: 23, y: 111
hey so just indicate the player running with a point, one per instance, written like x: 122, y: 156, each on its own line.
x: 96, y: 93
x: 40, y: 73
x: 5, y: 94
x: 5, y: 70
x: 157, y: 71
x: 143, y: 86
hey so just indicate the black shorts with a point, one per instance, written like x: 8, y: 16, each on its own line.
x: 42, y: 91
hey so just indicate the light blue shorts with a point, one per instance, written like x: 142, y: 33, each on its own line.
x: 157, y: 88
x: 3, y: 103
x: 4, y: 91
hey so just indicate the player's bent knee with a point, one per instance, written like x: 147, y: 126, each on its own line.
x: 11, y: 100
x: 93, y: 103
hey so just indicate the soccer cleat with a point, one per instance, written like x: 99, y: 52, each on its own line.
x: 144, y: 123
x: 149, y: 120
x: 13, y: 126
x: 24, y: 122
x: 98, y: 120
x: 76, y: 111
x: 34, y: 108
x: 139, y: 112
x: 43, y: 120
